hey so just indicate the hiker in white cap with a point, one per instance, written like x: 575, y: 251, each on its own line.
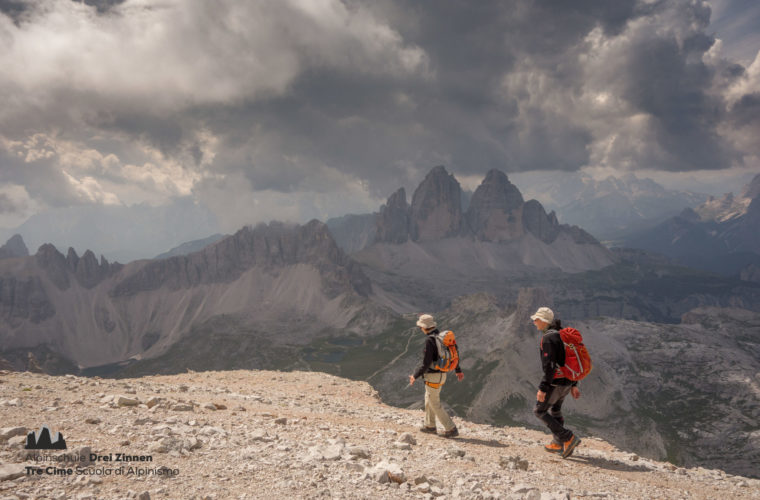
x: 552, y: 391
x: 434, y: 380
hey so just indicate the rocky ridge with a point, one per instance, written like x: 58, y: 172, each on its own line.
x: 258, y: 434
x: 276, y: 278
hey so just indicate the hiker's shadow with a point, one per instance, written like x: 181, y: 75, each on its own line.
x: 482, y: 442
x: 605, y: 463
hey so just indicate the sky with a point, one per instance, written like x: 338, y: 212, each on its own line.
x: 296, y: 109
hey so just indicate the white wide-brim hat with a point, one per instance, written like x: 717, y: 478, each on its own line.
x: 426, y: 321
x: 544, y: 314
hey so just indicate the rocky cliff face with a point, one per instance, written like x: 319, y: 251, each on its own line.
x: 436, y: 210
x: 496, y: 209
x: 393, y: 221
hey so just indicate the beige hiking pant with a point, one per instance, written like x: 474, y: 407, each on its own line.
x: 433, y: 407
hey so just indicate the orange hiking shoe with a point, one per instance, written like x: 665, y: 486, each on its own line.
x: 553, y: 447
x: 569, y: 446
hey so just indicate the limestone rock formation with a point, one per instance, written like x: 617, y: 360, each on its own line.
x: 436, y: 210
x: 495, y: 211
x: 393, y: 219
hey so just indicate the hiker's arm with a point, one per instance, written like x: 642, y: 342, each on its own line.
x: 427, y: 358
x: 576, y: 393
x: 547, y: 364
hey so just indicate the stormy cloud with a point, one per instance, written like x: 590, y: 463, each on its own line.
x: 299, y: 108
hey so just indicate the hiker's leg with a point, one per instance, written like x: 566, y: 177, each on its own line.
x: 541, y: 411
x: 556, y: 412
x: 433, y: 400
x: 429, y: 413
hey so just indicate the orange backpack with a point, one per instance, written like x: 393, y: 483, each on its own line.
x: 577, y: 359
x: 448, y: 354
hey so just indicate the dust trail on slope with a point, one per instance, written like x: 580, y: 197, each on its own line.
x: 406, y: 349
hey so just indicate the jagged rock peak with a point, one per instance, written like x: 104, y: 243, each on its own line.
x: 54, y: 263
x: 436, y: 210
x: 535, y: 220
x: 86, y: 269
x: 393, y: 220
x: 14, y: 247
x: 493, y: 214
x: 88, y: 272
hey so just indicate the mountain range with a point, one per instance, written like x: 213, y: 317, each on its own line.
x: 289, y: 282
x: 609, y: 208
x: 286, y: 297
x: 721, y: 235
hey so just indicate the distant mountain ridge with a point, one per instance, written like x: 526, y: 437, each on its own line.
x: 288, y: 278
x: 611, y: 207
x: 721, y: 235
x: 122, y: 233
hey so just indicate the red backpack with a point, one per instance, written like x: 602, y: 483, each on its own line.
x: 448, y: 354
x: 577, y: 360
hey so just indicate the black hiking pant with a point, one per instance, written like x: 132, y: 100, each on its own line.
x: 550, y: 412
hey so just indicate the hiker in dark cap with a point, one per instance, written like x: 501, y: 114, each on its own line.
x: 553, y: 390
x: 434, y: 379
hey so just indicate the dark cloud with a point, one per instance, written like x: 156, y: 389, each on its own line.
x: 366, y: 96
x: 670, y: 83
x: 102, y: 6
x: 14, y: 9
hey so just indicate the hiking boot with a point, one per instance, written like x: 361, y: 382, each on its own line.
x: 553, y: 447
x: 429, y: 430
x: 569, y: 446
x: 450, y: 434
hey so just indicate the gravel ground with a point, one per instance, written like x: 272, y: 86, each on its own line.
x: 259, y: 434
